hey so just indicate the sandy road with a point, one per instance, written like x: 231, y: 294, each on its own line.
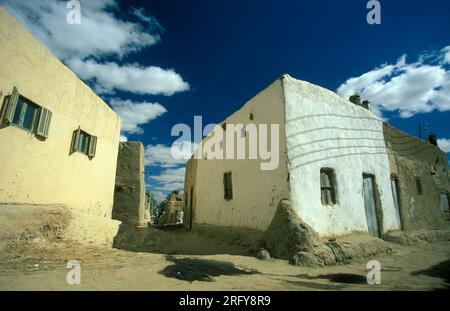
x: 42, y: 266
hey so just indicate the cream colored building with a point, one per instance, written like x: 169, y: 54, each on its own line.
x: 333, y: 167
x: 58, y: 140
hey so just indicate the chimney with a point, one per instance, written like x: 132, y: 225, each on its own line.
x: 432, y: 138
x: 355, y: 99
x: 366, y: 104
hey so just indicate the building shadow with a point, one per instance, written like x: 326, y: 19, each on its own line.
x: 173, y: 240
x: 440, y: 270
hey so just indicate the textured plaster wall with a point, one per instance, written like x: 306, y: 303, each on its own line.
x: 410, y: 158
x: 38, y: 171
x: 129, y: 195
x: 256, y: 193
x: 323, y: 130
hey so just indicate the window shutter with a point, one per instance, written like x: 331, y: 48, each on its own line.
x: 3, y: 108
x: 11, y: 105
x: 43, y: 125
x: 76, y: 140
x: 92, y: 146
x: 325, y: 180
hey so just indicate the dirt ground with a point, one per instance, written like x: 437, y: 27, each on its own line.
x: 177, y: 260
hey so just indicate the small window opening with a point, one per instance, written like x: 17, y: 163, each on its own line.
x: 228, y: 186
x: 328, y: 186
x: 419, y: 186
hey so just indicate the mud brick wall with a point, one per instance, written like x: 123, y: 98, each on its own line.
x: 129, y: 194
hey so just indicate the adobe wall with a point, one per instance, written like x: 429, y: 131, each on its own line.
x: 409, y: 158
x: 45, y: 171
x: 129, y: 194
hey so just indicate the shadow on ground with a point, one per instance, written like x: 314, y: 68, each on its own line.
x: 440, y: 270
x: 191, y: 269
x: 173, y: 240
x: 341, y: 280
x: 346, y: 278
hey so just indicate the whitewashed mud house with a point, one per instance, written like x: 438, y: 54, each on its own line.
x: 342, y: 168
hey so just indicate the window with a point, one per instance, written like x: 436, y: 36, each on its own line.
x: 84, y: 143
x: 251, y: 117
x: 228, y: 186
x: 25, y: 114
x: 419, y: 186
x: 327, y: 186
x: 445, y: 203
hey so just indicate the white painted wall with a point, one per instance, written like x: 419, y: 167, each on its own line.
x: 325, y: 130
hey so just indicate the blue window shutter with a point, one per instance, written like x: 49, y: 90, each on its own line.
x: 76, y: 140
x: 92, y: 146
x: 3, y: 108
x: 43, y: 125
x: 11, y: 105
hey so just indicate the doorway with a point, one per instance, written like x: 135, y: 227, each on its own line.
x: 191, y: 208
x: 445, y: 207
x: 396, y: 197
x: 370, y: 204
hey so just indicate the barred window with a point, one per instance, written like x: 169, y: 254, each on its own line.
x: 328, y: 186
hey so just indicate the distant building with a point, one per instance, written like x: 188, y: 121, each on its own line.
x: 342, y: 167
x: 173, y: 212
x: 58, y: 140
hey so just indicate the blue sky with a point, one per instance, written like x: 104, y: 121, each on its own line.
x: 158, y: 63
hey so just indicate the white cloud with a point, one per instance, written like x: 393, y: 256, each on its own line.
x: 134, y: 114
x: 444, y: 144
x: 147, y: 18
x: 404, y: 88
x: 169, y: 156
x: 446, y: 50
x: 171, y: 175
x: 131, y: 78
x: 100, y: 33
x: 123, y: 138
x: 169, y: 180
x: 159, y: 195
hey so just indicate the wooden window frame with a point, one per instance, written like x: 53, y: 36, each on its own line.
x: 90, y: 148
x: 40, y: 123
x: 331, y: 176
